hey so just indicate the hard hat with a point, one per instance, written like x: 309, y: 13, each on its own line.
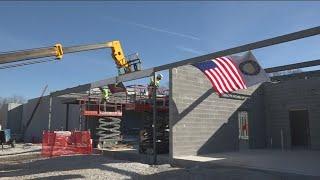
x: 159, y: 76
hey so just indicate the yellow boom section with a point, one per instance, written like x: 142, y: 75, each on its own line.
x: 118, y: 54
x: 59, y: 51
x: 125, y: 64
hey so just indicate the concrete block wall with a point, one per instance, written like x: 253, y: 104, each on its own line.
x: 3, y: 116
x: 74, y: 113
x: 200, y: 121
x: 257, y: 122
x: 14, y: 117
x: 58, y: 121
x: 11, y: 117
x: 288, y: 95
x: 40, y: 120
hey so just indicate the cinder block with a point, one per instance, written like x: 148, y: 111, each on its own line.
x: 205, y: 125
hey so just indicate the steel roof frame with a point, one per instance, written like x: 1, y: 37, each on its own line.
x: 243, y: 48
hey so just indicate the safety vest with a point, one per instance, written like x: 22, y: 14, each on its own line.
x: 157, y: 84
x: 105, y: 93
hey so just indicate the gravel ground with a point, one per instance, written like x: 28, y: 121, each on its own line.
x: 19, y: 149
x: 101, y: 167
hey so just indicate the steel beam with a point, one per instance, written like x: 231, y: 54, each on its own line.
x: 239, y: 49
x: 135, y: 75
x: 293, y: 66
x: 251, y: 46
x: 247, y: 47
x: 123, y: 78
x: 81, y: 88
x: 300, y: 75
x: 104, y: 82
x: 148, y: 72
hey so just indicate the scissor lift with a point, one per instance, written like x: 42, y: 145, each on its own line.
x: 108, y: 115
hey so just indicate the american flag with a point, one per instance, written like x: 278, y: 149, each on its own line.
x: 223, y: 74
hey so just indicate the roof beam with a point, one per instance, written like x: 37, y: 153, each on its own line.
x: 81, y: 88
x: 148, y: 72
x: 293, y: 66
x: 247, y: 47
x: 112, y: 80
x: 123, y: 78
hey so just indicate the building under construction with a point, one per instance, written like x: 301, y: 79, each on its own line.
x: 188, y: 118
x: 124, y: 120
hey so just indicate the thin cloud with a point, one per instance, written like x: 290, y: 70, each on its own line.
x: 154, y: 28
x: 190, y: 50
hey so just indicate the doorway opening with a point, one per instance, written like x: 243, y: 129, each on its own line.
x: 299, y: 124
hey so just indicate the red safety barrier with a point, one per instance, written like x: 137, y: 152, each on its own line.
x: 58, y: 143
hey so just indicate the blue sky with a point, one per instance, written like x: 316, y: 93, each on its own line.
x: 162, y: 32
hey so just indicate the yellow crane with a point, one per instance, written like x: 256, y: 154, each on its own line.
x: 125, y: 64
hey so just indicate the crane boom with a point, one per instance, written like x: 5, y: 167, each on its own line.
x: 58, y: 51
x: 46, y: 52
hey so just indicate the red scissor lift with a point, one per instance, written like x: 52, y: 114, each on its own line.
x: 108, y: 115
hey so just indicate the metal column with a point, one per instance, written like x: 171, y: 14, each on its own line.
x: 154, y: 123
x: 50, y: 113
x: 80, y: 119
x: 67, y: 118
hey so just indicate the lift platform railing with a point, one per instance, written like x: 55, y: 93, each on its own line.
x: 94, y: 107
x: 138, y: 98
x: 134, y: 64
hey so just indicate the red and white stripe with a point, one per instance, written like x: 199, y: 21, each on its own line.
x: 225, y: 78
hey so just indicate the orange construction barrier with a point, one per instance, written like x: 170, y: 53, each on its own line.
x: 58, y: 143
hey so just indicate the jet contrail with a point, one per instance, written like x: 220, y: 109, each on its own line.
x: 190, y: 50
x: 154, y: 28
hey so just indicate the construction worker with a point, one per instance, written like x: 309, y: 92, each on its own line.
x: 152, y: 83
x: 105, y: 96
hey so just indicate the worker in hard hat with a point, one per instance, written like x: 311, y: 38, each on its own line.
x: 105, y: 94
x: 158, y: 79
x: 155, y: 84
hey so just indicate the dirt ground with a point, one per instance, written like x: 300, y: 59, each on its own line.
x: 19, y: 148
x: 33, y: 166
